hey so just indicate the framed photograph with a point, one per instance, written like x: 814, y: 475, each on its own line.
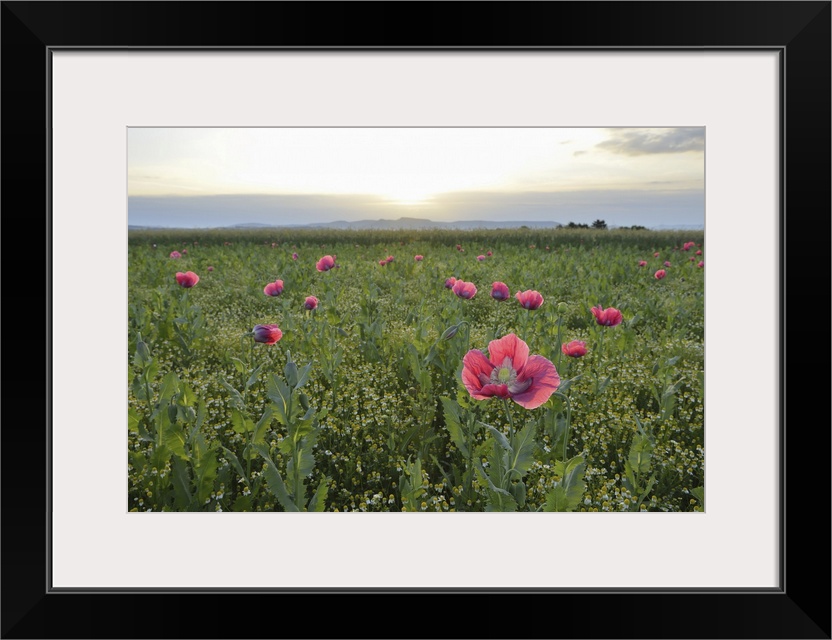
x: 86, y: 85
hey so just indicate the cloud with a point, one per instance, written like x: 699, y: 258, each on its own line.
x: 637, y: 142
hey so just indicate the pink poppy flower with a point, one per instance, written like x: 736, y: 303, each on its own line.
x: 656, y: 255
x: 450, y: 282
x: 642, y: 263
x: 175, y: 254
x: 390, y: 259
x: 418, y: 258
x: 667, y: 263
x: 699, y: 252
x: 267, y: 333
x: 187, y: 279
x: 294, y: 256
x: 701, y: 264
x: 310, y: 303
x: 661, y: 273
x: 692, y: 259
x: 382, y: 262
x: 464, y: 289
x: 529, y: 299
x: 210, y: 269
x: 499, y: 291
x: 489, y: 254
x: 687, y: 246
x: 480, y: 258
x: 325, y: 264
x: 459, y: 247
x: 574, y: 349
x: 509, y: 372
x: 274, y: 288
x: 610, y: 317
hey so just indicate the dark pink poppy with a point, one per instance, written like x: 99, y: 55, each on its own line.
x: 464, y: 289
x: 642, y: 263
x: 450, y: 282
x: 274, y: 288
x: 509, y: 372
x: 692, y: 259
x: 175, y: 254
x: 187, y: 279
x: 574, y: 349
x: 699, y: 252
x: 294, y: 256
x: 480, y: 258
x: 688, y: 245
x: 267, y: 333
x: 459, y: 247
x: 382, y: 262
x: 390, y: 259
x: 701, y: 264
x: 325, y: 264
x: 610, y: 317
x: 661, y: 273
x: 499, y: 291
x: 210, y: 269
x: 489, y: 254
x: 529, y: 299
x: 418, y: 258
x: 310, y: 303
x: 656, y: 255
x: 667, y: 263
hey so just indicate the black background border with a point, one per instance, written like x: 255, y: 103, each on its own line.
x: 799, y: 609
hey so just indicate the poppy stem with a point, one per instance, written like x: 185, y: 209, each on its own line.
x: 510, y: 422
x: 568, y: 421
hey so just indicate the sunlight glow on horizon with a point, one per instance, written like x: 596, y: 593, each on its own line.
x: 405, y: 166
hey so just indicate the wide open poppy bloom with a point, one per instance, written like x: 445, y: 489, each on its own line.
x: 175, y: 254
x: 509, y: 372
x: 607, y: 317
x: 187, y: 279
x: 450, y: 282
x: 661, y: 273
x: 267, y: 333
x: 499, y: 291
x: 464, y: 289
x: 574, y: 349
x: 274, y: 288
x: 310, y: 303
x: 529, y: 299
x: 325, y: 264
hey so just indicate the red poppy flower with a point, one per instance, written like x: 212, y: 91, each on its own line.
x: 274, y: 288
x: 699, y: 252
x: 325, y: 264
x: 529, y: 299
x: 701, y: 264
x: 489, y: 254
x: 642, y: 263
x: 464, y: 289
x: 267, y: 333
x: 499, y: 291
x: 509, y: 372
x: 418, y: 258
x: 175, y: 254
x: 607, y: 317
x: 310, y: 303
x: 661, y: 273
x: 574, y: 349
x: 187, y: 279
x: 450, y: 282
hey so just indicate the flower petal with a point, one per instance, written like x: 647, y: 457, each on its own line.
x: 508, y: 346
x: 475, y: 364
x: 545, y: 381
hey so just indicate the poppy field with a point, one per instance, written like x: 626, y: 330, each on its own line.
x: 439, y: 371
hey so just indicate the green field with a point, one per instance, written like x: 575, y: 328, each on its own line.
x: 360, y: 405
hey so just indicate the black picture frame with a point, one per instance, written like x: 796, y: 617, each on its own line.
x: 799, y: 31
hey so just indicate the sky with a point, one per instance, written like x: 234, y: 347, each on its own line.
x: 206, y: 177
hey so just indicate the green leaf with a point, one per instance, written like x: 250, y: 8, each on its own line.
x: 170, y: 385
x: 303, y: 376
x: 240, y: 422
x: 259, y: 436
x: 317, y: 502
x: 568, y: 493
x: 641, y: 451
x: 254, y: 374
x: 239, y: 365
x: 498, y: 436
x: 699, y: 494
x: 522, y: 456
x: 235, y: 462
x: 173, y: 437
x: 280, y: 394
x: 142, y: 356
x: 274, y: 481
x: 453, y: 422
x: 181, y: 479
x: 133, y: 419
x: 290, y: 372
x: 205, y: 467
x: 236, y: 400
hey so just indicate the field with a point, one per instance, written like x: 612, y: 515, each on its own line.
x: 363, y: 403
